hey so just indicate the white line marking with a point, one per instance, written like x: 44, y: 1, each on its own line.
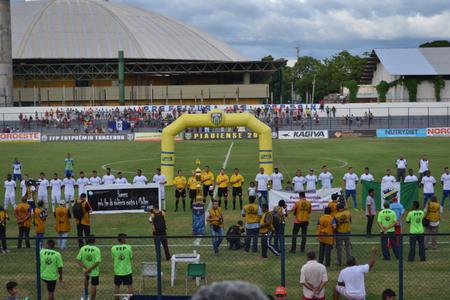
x: 228, y: 155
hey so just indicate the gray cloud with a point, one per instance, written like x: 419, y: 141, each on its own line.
x: 319, y: 27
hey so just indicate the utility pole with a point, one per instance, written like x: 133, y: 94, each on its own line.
x: 6, y: 67
x: 313, y: 88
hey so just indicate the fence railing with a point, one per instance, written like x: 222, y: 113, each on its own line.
x: 410, y: 279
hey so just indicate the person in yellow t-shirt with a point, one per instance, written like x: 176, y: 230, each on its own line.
x: 433, y: 214
x: 236, y: 181
x: 207, y: 181
x: 216, y: 225
x: 266, y: 229
x: 3, y: 218
x: 343, y: 231
x: 333, y: 204
x: 40, y: 216
x: 302, y: 209
x: 192, y: 186
x: 223, y: 181
x: 180, y: 189
x: 83, y: 223
x: 325, y: 226
x: 22, y: 212
x: 62, y: 224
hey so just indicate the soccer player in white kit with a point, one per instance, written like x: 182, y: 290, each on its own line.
x: 17, y: 170
x: 366, y: 176
x: 44, y: 184
x: 161, y: 180
x: 69, y: 189
x: 311, y: 180
x: 298, y: 181
x: 10, y: 192
x: 108, y: 178
x: 445, y: 181
x: 423, y: 166
x: 95, y: 180
x: 56, y: 185
x: 82, y: 182
x: 139, y: 178
x: 326, y: 178
x: 277, y: 180
x: 120, y: 179
x: 350, y: 179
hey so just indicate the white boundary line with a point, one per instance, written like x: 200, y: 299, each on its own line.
x: 228, y: 155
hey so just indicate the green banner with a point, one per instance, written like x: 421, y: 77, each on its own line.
x: 409, y: 192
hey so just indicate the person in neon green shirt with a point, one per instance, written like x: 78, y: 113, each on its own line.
x: 89, y: 257
x: 51, y: 266
x: 415, y: 221
x: 387, y: 219
x: 122, y: 255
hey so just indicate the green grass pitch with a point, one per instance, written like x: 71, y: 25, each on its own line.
x: 420, y: 278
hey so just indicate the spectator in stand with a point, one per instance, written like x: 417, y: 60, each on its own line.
x: 445, y: 181
x: 302, y: 210
x: 371, y: 211
x: 401, y: 168
x: 343, y: 231
x: 313, y: 278
x: 433, y: 215
x: 326, y: 226
x: 428, y: 182
x: 415, y: 219
x: 351, y: 279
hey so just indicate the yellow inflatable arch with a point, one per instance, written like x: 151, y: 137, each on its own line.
x: 215, y: 118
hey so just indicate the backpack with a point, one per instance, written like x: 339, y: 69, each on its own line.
x: 77, y: 210
x: 159, y: 223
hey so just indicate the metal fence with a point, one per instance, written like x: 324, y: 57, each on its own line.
x: 343, y: 119
x: 411, y: 280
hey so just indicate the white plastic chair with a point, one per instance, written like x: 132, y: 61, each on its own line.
x: 149, y: 269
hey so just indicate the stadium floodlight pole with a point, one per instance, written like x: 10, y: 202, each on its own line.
x: 6, y: 65
x: 121, y: 76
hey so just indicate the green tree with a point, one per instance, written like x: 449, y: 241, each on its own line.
x: 439, y: 43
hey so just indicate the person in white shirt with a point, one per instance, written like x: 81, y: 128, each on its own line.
x: 423, y: 166
x: 388, y: 178
x: 23, y: 184
x: 299, y: 182
x: 44, y: 185
x: 411, y: 177
x: 366, y: 176
x: 252, y: 189
x: 313, y: 278
x: 326, y: 178
x: 108, y: 178
x: 95, y: 180
x: 82, y: 182
x: 10, y: 192
x: 401, y: 168
x: 160, y: 179
x: 139, y: 178
x: 311, y: 180
x: 428, y: 182
x: 120, y: 179
x: 350, y: 180
x: 17, y: 170
x: 351, y: 279
x: 277, y: 180
x: 69, y: 189
x: 445, y: 181
x: 262, y: 181
x: 55, y: 184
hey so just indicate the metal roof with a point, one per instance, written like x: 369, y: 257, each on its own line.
x: 93, y: 29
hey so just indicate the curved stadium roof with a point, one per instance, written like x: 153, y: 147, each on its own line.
x: 94, y: 29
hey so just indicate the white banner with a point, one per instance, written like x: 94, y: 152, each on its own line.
x: 440, y: 131
x: 20, y: 137
x: 303, y: 134
x: 319, y: 199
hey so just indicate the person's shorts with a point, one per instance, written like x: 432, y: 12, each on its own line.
x: 51, y: 285
x: 192, y: 194
x: 237, y: 191
x: 207, y: 191
x: 343, y: 291
x: 181, y: 194
x: 17, y: 177
x: 123, y: 279
x: 95, y: 280
x: 222, y: 192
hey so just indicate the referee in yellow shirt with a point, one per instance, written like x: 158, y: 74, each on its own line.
x: 180, y: 189
x: 192, y: 185
x: 237, y: 181
x: 222, y: 181
x: 207, y: 179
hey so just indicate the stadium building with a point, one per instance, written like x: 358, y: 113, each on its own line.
x: 66, y: 52
x: 426, y: 67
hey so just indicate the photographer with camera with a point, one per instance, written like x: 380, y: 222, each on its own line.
x: 216, y: 223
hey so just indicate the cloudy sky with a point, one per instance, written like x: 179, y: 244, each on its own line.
x: 319, y: 27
